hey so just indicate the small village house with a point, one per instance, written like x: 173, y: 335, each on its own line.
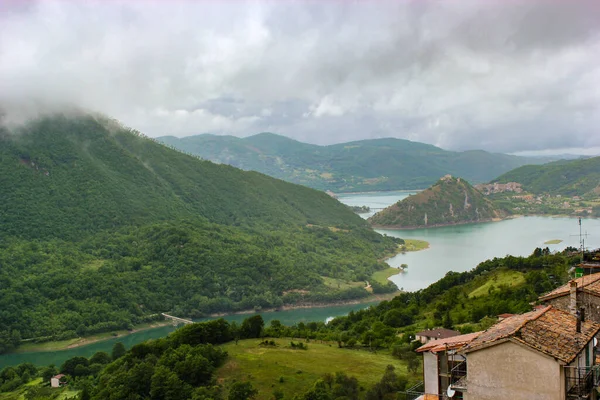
x: 544, y: 354
x: 55, y: 380
x: 439, y: 359
x: 434, y: 334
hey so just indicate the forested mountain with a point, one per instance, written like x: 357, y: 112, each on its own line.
x: 567, y: 178
x: 450, y: 201
x: 65, y: 176
x: 379, y: 164
x: 102, y: 228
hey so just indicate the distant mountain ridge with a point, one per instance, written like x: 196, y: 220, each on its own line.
x: 450, y: 201
x: 364, y: 165
x: 566, y: 177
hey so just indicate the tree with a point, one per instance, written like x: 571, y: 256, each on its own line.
x: 69, y: 367
x: 100, y: 357
x: 85, y: 393
x: 252, y: 327
x: 118, y: 351
x: 242, y: 391
x: 165, y: 385
x: 447, y: 323
x: 48, y: 373
x: 318, y: 392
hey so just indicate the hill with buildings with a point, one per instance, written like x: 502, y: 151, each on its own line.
x: 568, y: 178
x: 450, y: 201
x: 365, y: 165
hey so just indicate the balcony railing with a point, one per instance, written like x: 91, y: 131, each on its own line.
x: 415, y: 392
x: 580, y: 381
x: 458, y: 377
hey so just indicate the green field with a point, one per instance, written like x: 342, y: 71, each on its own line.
x: 264, y: 366
x: 57, y: 394
x: 340, y: 283
x: 383, y: 275
x: 553, y: 241
x: 501, y: 277
x: 415, y: 244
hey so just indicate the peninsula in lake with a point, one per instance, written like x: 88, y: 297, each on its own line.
x: 450, y: 201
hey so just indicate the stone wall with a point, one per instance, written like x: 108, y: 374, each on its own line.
x: 589, y: 302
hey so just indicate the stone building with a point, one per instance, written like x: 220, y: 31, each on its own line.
x: 579, y: 294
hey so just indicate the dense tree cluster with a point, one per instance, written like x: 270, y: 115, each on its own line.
x: 447, y: 302
x: 102, y: 229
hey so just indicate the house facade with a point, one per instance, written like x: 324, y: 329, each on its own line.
x: 439, y: 359
x: 435, y: 334
x: 547, y: 354
x: 55, y: 380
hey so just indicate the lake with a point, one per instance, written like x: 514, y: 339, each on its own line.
x: 461, y: 247
x: 457, y: 248
x: 288, y: 317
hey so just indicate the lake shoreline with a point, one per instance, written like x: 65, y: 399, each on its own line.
x: 368, y: 299
x: 412, y: 228
x: 379, y: 191
x: 53, y: 346
x: 60, y: 345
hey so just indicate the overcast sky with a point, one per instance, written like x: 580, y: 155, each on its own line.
x: 500, y: 75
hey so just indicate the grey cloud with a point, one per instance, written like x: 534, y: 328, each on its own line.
x: 503, y: 76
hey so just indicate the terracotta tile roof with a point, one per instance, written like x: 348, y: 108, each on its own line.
x: 547, y: 330
x: 589, y: 283
x: 438, y: 333
x: 428, y: 397
x: 506, y: 315
x: 454, y: 342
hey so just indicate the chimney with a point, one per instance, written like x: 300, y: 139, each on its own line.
x: 573, y: 298
x: 582, y: 314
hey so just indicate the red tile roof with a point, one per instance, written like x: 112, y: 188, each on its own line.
x: 588, y: 283
x: 58, y: 376
x: 506, y: 315
x: 438, y: 333
x: 547, y: 330
x: 454, y: 342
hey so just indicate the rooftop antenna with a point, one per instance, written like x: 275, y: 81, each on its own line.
x: 582, y: 237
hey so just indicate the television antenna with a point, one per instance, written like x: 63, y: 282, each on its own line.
x: 450, y: 392
x: 582, y: 237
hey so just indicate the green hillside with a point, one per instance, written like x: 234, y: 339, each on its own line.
x: 102, y: 228
x: 450, y: 201
x: 567, y: 178
x: 70, y: 176
x: 380, y: 164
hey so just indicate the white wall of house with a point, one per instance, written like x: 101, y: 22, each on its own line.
x: 422, y: 339
x: 430, y: 372
x: 54, y: 382
x: 513, y: 371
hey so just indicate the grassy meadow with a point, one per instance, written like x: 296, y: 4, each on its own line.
x: 294, y: 371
